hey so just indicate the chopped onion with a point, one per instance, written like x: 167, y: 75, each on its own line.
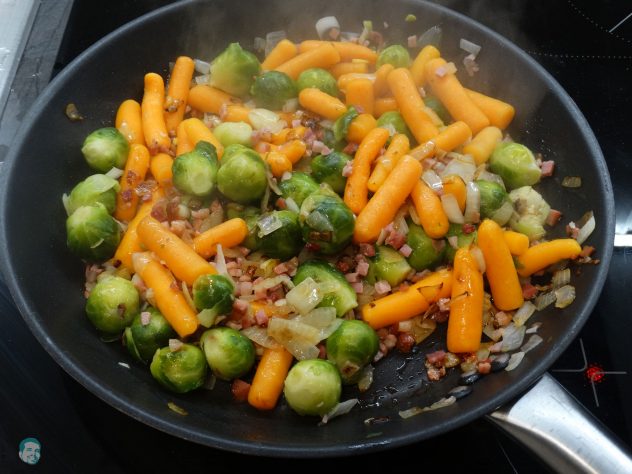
x: 514, y: 361
x: 268, y: 283
x: 261, y: 119
x: 290, y: 105
x: 265, y: 199
x: 325, y: 24
x: 291, y: 205
x: 341, y: 409
x: 452, y: 209
x: 366, y: 378
x: 272, y: 39
x: 472, y: 203
x: 114, y: 173
x: 483, y: 174
x: 442, y: 403
x: 533, y: 342
x: 272, y: 182
x: 305, y: 296
x: 179, y: 410
x: 259, y: 44
x: 210, y: 382
x: 286, y: 330
x: 207, y: 317
x: 572, y: 182
x: 175, y: 345
x: 564, y: 296
x: 524, y: 313
x: 561, y: 278
x: 480, y: 259
x: 534, y: 328
x: 220, y: 262
x: 512, y: 337
x: 201, y: 66
x: 413, y: 215
x: 431, y: 36
x: 202, y: 80
x: 319, y: 317
x: 586, y: 229
x: 124, y: 364
x: 268, y: 224
x: 453, y: 240
x: 544, y: 299
x: 433, y: 180
x: 503, y: 214
x: 469, y: 47
x: 461, y: 165
x: 260, y: 336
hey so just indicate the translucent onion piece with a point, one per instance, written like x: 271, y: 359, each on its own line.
x: 413, y: 215
x: 272, y: 182
x: 114, y: 173
x: 469, y: 47
x: 514, y: 361
x: 187, y: 295
x: 320, y: 317
x: 291, y: 205
x: 461, y: 165
x: 472, y: 203
x: 485, y: 175
x: 480, y: 259
x: 433, y: 180
x: 341, y: 409
x: 544, y: 299
x: 366, y: 378
x: 290, y: 105
x: 64, y: 199
x: 272, y: 39
x: 451, y: 208
x: 512, y: 337
x: 561, y: 278
x: 503, y: 214
x: 287, y: 330
x: 533, y: 342
x: 431, y: 36
x: 564, y: 296
x: 325, y: 24
x: 586, y: 229
x: 524, y: 313
x: 260, y: 336
x: 220, y: 262
x: 572, y: 182
x: 422, y: 328
x: 302, y: 350
x: 268, y: 224
x: 206, y: 317
x: 442, y: 403
x: 534, y: 328
x: 201, y: 67
x: 261, y: 119
x: 203, y: 79
x: 268, y: 283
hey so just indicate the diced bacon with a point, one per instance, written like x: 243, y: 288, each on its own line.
x: 347, y: 169
x: 201, y: 213
x: 245, y: 288
x: 352, y: 277
x: 406, y: 250
x: 322, y: 351
x: 296, y: 123
x: 547, y: 168
x: 240, y: 390
x: 395, y: 240
x: 436, y: 358
x: 529, y: 291
x: 572, y: 230
x: 350, y: 149
x: 553, y: 217
x: 358, y: 287
x: 382, y: 287
x: 320, y: 147
x: 281, y: 268
x: 405, y: 342
x: 280, y: 203
x: 587, y: 251
x: 435, y: 374
x: 468, y: 228
x: 240, y: 306
x: 145, y: 318
x: 261, y: 318
x: 443, y: 304
x: 484, y: 367
x: 502, y: 319
x: 235, y: 272
x: 362, y: 268
x: 368, y: 250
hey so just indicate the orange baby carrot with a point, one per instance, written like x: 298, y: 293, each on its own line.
x: 398, y: 147
x: 278, y: 162
x: 345, y: 79
x: 359, y: 94
x: 452, y: 95
x: 383, y: 105
x: 418, y: 68
x: 294, y: 150
x: 518, y: 243
x: 227, y: 234
x: 281, y: 53
x: 178, y: 92
x: 499, y: 113
x: 453, y: 136
x: 324, y: 56
x: 287, y: 134
x: 267, y: 384
x: 430, y: 211
x: 179, y: 257
x: 169, y: 299
x: 380, y: 86
x: 321, y: 103
x: 356, y: 191
x: 161, y: 169
x: 411, y: 105
x: 236, y: 113
x: 129, y: 123
x: 382, y: 207
x: 500, y: 269
x: 454, y: 185
x: 483, y: 144
x: 196, y: 131
x: 153, y: 120
x: 357, y: 67
x: 465, y: 325
x: 348, y: 51
x: 135, y: 170
x: 360, y: 127
x: 542, y: 255
x: 183, y: 144
x: 209, y: 99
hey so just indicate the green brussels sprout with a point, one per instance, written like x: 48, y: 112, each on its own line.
x: 313, y: 387
x: 341, y: 125
x: 112, y: 305
x: 92, y: 233
x: 352, y: 346
x: 515, y: 164
x: 195, y: 172
x: 462, y: 240
x: 395, y: 54
x: 97, y: 188
x: 390, y: 265
x: 234, y: 133
x: 531, y: 211
x: 493, y: 198
x: 179, y: 370
x: 326, y: 223
x: 284, y: 242
x: 394, y: 119
x: 438, y: 108
x: 427, y: 252
x: 143, y: 340
x: 328, y: 169
x: 338, y: 292
x: 272, y: 89
x: 298, y: 187
x: 105, y: 148
x: 242, y: 175
x: 251, y: 216
x: 228, y: 352
x: 234, y: 70
x: 319, y: 79
x: 214, y: 294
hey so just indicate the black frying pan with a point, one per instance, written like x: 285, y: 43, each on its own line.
x: 46, y: 281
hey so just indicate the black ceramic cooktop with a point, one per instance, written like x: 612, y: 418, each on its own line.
x: 587, y: 47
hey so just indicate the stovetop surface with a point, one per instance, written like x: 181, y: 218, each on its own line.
x: 587, y: 47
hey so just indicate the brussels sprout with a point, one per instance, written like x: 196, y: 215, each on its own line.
x: 234, y: 133
x: 462, y: 240
x: 338, y: 292
x: 493, y: 197
x: 92, y: 233
x: 242, y: 175
x: 251, y: 216
x: 234, y: 70
x: 97, y: 188
x: 228, y: 352
x: 394, y: 119
x: 298, y: 187
x: 112, y: 305
x: 426, y: 252
x: 272, y: 89
x: 341, y: 125
x: 214, y: 294
x: 328, y: 169
x: 179, y: 370
x: 143, y: 340
x: 352, y: 346
x: 515, y: 164
x: 326, y: 222
x: 319, y: 79
x: 438, y: 108
x: 395, y: 54
x: 531, y: 211
x: 390, y: 265
x: 105, y: 148
x: 195, y: 172
x: 284, y: 241
x: 312, y: 387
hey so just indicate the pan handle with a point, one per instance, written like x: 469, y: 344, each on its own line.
x: 550, y: 422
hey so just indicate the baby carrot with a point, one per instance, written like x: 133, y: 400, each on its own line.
x: 403, y: 305
x: 356, y: 191
x: 128, y: 122
x: 483, y: 144
x: 380, y: 86
x: 267, y: 384
x: 294, y: 150
x: 358, y: 67
x: 153, y: 120
x: 179, y: 257
x: 278, y: 162
x: 324, y: 56
x: 499, y: 113
x: 360, y: 127
x: 197, y: 131
x: 411, y: 105
x: 382, y: 207
x: 348, y: 51
x: 135, y: 169
x: 321, y: 103
x: 209, y: 99
x: 452, y: 95
x: 183, y: 144
x: 282, y: 52
x: 287, y: 134
x: 161, y: 169
x: 419, y: 64
x: 454, y: 185
x: 465, y: 325
x: 500, y: 268
x: 398, y: 147
x: 359, y: 94
x: 453, y: 136
x: 178, y: 92
x: 228, y: 234
x: 169, y: 299
x: 236, y: 113
x: 430, y: 211
x: 542, y: 255
x: 345, y: 79
x: 518, y: 243
x: 383, y: 105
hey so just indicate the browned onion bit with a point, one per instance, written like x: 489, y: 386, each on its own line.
x: 73, y: 113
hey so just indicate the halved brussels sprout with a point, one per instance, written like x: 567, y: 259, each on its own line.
x: 195, y: 172
x: 105, y: 148
x: 462, y: 240
x: 280, y: 234
x: 97, y: 188
x: 531, y: 211
x: 251, y: 215
x: 328, y: 169
x: 213, y: 293
x: 112, y: 305
x: 179, y: 370
x: 395, y: 55
x: 242, y: 175
x: 515, y: 164
x: 144, y: 339
x: 228, y: 352
x: 313, y: 387
x: 426, y: 252
x: 319, y: 79
x: 234, y: 133
x: 298, y: 187
x: 234, y: 70
x: 326, y: 223
x: 395, y: 120
x: 338, y: 292
x: 390, y: 265
x: 352, y: 346
x: 272, y: 89
x: 493, y: 197
x: 92, y: 233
